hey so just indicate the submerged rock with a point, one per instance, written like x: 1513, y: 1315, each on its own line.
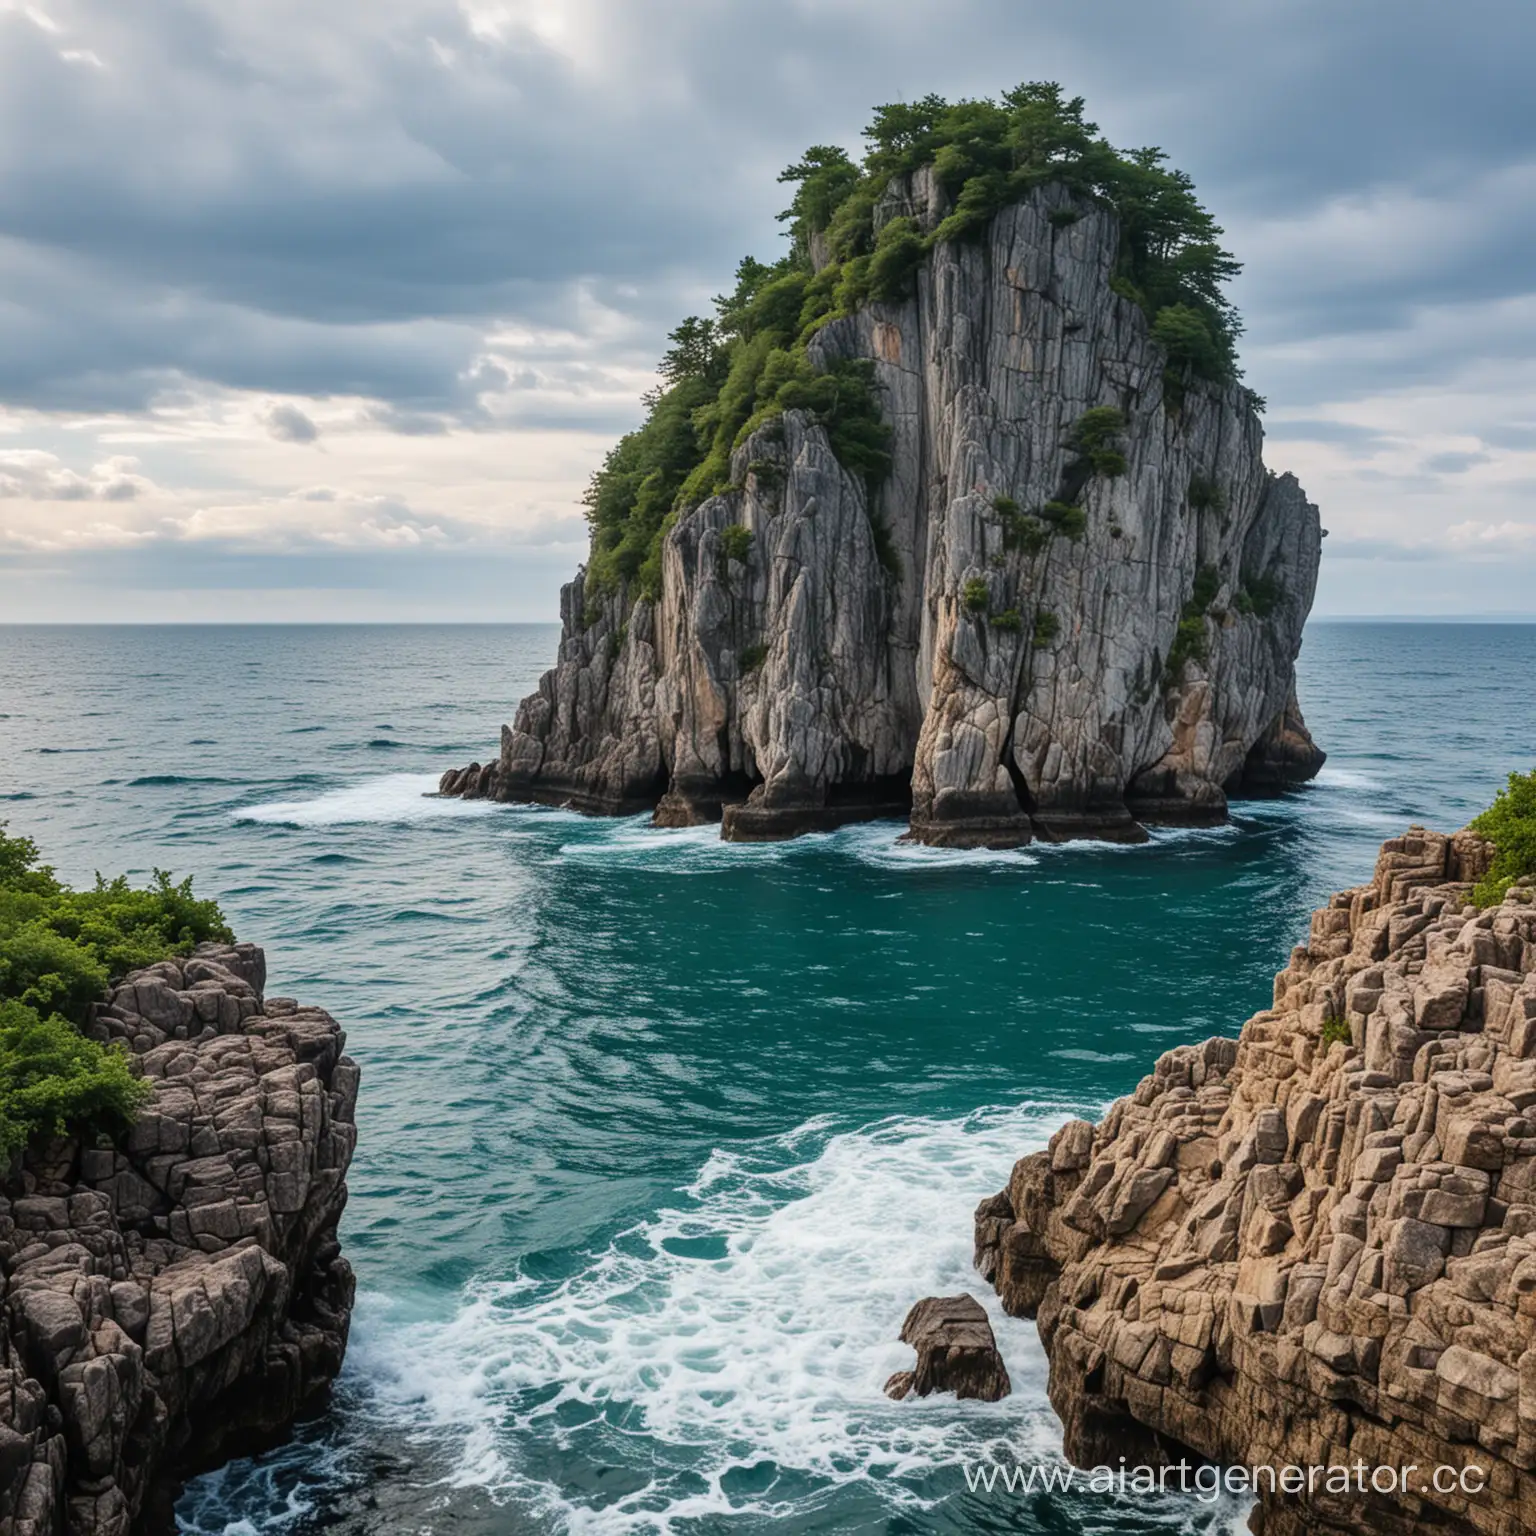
x: 177, y: 1299
x: 1006, y: 641
x: 1315, y: 1245
x: 956, y: 1352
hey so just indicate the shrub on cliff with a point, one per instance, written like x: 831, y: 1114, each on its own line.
x: 1510, y: 825
x: 59, y: 948
x: 725, y: 376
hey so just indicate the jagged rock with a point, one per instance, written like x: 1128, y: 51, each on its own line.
x: 839, y: 672
x: 176, y: 1298
x: 956, y: 1352
x: 1337, y: 1261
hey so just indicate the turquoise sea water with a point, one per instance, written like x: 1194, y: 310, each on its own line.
x: 661, y: 1136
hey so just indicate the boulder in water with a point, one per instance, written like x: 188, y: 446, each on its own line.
x: 956, y: 1352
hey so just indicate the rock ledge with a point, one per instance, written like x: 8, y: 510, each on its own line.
x: 1315, y: 1244
x: 175, y: 1301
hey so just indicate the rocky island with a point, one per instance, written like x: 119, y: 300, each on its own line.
x: 175, y: 1147
x: 1316, y: 1244
x: 957, y: 513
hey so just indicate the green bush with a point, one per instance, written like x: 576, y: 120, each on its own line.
x: 1191, y: 641
x: 751, y: 657
x: 1205, y: 495
x: 1095, y: 439
x: 1206, y: 585
x: 732, y: 373
x: 736, y: 542
x: 1065, y: 517
x: 1026, y: 533
x: 59, y: 948
x: 769, y: 473
x: 898, y: 254
x: 1334, y: 1030
x: 976, y: 595
x: 1260, y: 595
x: 1510, y: 825
x: 1098, y: 427
x: 1064, y: 218
x: 1046, y: 627
x: 1008, y: 620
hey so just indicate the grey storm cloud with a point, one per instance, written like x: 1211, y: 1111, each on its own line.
x: 323, y: 198
x: 288, y: 424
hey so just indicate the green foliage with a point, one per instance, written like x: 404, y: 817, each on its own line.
x: 898, y: 253
x: 769, y: 473
x: 976, y: 595
x: 58, y: 950
x: 751, y: 657
x: 1009, y: 620
x: 1191, y: 641
x: 736, y: 542
x: 53, y: 1081
x: 1065, y: 517
x: 696, y: 352
x: 616, y: 641
x: 988, y: 154
x: 1206, y: 585
x: 1335, y: 1029
x: 726, y: 376
x: 1046, y: 627
x: 1193, y: 345
x: 1205, y: 495
x: 1510, y: 825
x: 1098, y: 427
x: 1260, y: 595
x: 1095, y: 439
x: 1021, y: 531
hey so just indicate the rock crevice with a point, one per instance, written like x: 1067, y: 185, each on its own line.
x: 175, y: 1299
x: 1315, y: 1245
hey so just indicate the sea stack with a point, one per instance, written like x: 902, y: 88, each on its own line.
x: 1069, y: 604
x: 1315, y: 1245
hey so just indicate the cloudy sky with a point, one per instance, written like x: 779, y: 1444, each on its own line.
x: 326, y: 309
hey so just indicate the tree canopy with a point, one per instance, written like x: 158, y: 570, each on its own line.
x: 727, y: 374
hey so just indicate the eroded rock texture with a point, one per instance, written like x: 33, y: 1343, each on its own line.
x: 1315, y: 1244
x: 956, y: 1352
x: 939, y: 650
x: 172, y: 1302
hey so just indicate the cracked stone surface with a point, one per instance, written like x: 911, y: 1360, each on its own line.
x: 181, y: 1295
x: 814, y: 682
x: 1315, y: 1244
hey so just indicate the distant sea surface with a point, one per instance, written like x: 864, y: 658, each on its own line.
x: 661, y: 1136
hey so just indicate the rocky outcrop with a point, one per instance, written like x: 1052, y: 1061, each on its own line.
x: 956, y: 1352
x: 177, y: 1298
x: 958, y: 647
x: 1315, y: 1245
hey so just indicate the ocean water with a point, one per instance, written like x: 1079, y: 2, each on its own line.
x: 661, y: 1136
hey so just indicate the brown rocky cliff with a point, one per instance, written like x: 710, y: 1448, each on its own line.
x: 174, y: 1301
x: 1316, y: 1244
x: 846, y: 667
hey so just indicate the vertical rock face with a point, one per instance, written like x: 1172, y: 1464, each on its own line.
x: 1315, y: 1245
x: 170, y: 1303
x: 1006, y: 639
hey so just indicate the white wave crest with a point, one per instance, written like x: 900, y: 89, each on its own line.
x: 752, y: 1325
x: 390, y: 800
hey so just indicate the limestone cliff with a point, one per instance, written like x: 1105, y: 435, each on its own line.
x: 1002, y: 641
x: 172, y: 1302
x: 1315, y: 1245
